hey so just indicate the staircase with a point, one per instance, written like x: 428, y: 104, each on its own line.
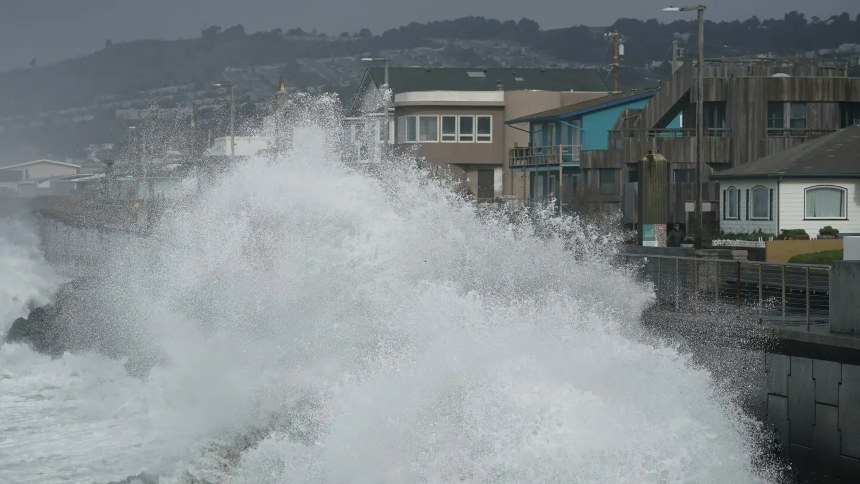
x: 667, y: 103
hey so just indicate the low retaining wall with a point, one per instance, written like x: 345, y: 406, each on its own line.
x: 783, y: 250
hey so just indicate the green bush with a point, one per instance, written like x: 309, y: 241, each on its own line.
x: 794, y: 234
x: 828, y: 230
x: 824, y: 257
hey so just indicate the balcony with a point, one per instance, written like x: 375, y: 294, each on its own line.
x: 544, y: 155
x: 677, y: 145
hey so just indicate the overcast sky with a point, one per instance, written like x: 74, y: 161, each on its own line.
x: 49, y: 30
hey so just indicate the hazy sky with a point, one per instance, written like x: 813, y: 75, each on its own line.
x: 49, y: 30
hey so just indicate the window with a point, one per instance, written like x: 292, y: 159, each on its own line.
x: 850, y: 114
x: 685, y: 175
x: 731, y: 201
x: 786, y: 119
x: 428, y: 128
x: 485, y: 129
x: 408, y: 129
x: 797, y: 120
x: 714, y: 115
x: 759, y: 199
x: 825, y: 202
x: 449, y: 129
x: 467, y: 129
x: 633, y: 174
x: 606, y: 179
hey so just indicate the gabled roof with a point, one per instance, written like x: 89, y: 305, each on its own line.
x: 836, y: 155
x: 585, y: 107
x: 34, y: 162
x: 410, y: 79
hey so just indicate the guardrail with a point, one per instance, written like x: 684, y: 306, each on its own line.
x: 544, y: 155
x: 791, y: 294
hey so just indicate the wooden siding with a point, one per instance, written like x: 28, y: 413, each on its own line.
x: 717, y: 150
x: 745, y: 224
x: 792, y: 206
x: 667, y: 97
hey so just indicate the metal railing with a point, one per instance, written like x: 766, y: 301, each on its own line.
x: 544, y: 155
x: 671, y: 133
x: 788, y: 294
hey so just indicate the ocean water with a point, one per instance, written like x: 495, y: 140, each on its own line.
x: 314, y: 323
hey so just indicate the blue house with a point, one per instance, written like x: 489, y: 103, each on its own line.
x: 568, y: 146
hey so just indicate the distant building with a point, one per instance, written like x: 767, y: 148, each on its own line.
x: 244, y: 146
x: 9, y: 181
x: 752, y: 108
x: 809, y: 186
x: 454, y: 117
x: 43, y: 169
x: 567, y: 149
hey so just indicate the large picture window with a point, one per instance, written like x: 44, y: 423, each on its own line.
x: 760, y: 203
x: 827, y: 202
x: 731, y: 201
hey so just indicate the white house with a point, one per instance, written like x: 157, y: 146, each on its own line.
x: 810, y: 186
x: 43, y: 169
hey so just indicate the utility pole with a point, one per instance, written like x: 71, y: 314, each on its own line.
x: 232, y: 115
x: 700, y: 87
x: 617, y: 53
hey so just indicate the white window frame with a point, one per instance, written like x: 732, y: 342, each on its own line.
x: 752, y: 204
x: 460, y: 131
x: 418, y: 126
x: 404, y: 122
x: 730, y: 195
x: 825, y: 187
x: 489, y: 136
x: 456, y: 134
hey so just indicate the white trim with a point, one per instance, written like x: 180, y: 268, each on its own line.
x: 459, y: 125
x: 496, y: 98
x: 436, y: 118
x: 834, y: 187
x: 442, y: 131
x: 752, y: 205
x: 727, y: 213
x: 477, y: 135
x: 30, y: 163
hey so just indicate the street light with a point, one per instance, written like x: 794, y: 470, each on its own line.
x: 232, y: 115
x: 700, y: 10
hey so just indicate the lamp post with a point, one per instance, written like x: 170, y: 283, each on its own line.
x: 700, y: 74
x: 232, y: 115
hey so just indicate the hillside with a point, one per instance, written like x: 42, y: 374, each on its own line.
x: 58, y: 109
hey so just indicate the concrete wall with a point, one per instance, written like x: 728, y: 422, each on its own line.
x: 745, y: 224
x: 783, y: 250
x: 845, y: 296
x: 814, y: 408
x: 792, y: 206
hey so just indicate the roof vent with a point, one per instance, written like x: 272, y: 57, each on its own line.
x: 476, y: 73
x: 781, y: 74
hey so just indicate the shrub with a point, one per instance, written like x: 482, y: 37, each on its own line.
x: 828, y: 230
x: 824, y: 257
x: 794, y: 234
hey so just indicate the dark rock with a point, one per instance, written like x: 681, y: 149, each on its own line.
x: 142, y: 478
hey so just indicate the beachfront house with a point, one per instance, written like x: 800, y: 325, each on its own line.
x: 809, y: 186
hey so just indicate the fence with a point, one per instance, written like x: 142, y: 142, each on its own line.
x: 790, y: 294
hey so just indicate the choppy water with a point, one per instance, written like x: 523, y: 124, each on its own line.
x: 316, y: 324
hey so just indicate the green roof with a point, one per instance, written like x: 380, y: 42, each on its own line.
x: 836, y: 155
x: 408, y: 79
